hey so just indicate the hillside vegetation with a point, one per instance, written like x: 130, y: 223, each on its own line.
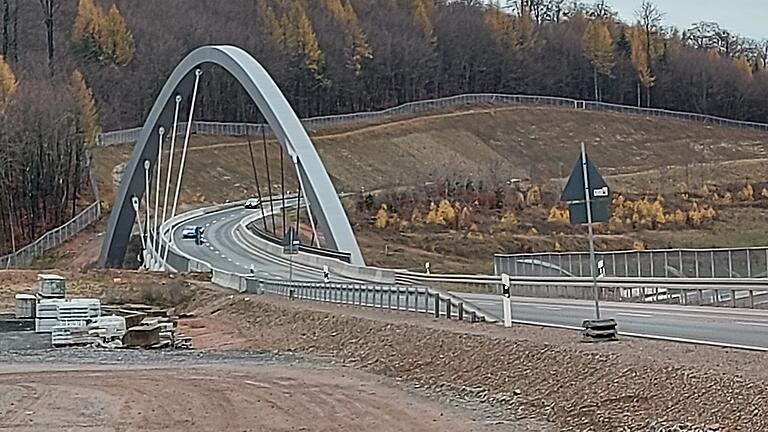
x: 483, y: 149
x: 507, y: 143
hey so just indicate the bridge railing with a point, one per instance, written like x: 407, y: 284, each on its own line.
x: 673, y: 263
x: 53, y: 238
x: 420, y: 107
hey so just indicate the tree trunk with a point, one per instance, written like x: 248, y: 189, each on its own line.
x: 597, y: 89
x: 6, y: 22
x: 15, y: 31
x: 648, y: 96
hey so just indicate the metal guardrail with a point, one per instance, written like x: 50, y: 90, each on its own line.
x: 419, y: 107
x: 722, y: 263
x: 732, y: 292
x: 53, y: 238
x: 391, y: 297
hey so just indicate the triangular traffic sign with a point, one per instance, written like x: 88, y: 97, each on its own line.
x: 574, y: 189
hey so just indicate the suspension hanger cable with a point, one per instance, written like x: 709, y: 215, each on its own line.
x: 147, y: 200
x: 256, y: 177
x: 135, y: 203
x: 282, y: 190
x: 269, y: 181
x: 298, y: 203
x: 161, y: 133
x: 174, y: 133
x: 302, y: 191
x: 198, y: 72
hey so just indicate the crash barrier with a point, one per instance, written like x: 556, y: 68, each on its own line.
x: 420, y: 107
x: 600, y: 330
x: 417, y: 299
x: 741, y: 293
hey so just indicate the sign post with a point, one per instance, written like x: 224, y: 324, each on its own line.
x: 588, y: 196
x: 290, y: 247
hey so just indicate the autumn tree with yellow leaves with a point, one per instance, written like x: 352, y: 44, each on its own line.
x: 639, y: 57
x: 102, y: 37
x: 599, y: 49
x: 88, y: 116
x: 8, y: 85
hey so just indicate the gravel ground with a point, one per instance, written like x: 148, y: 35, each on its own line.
x: 83, y: 389
x: 612, y: 387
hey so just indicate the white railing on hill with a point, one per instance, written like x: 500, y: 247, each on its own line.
x: 54, y: 238
x: 413, y: 108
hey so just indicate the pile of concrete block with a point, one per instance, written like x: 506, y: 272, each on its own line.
x: 73, y: 313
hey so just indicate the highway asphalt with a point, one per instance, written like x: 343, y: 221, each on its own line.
x: 742, y: 327
x: 221, y: 249
x: 688, y: 323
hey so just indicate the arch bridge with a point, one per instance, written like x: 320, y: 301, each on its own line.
x: 150, y: 186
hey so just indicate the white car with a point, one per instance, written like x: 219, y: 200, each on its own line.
x: 253, y: 203
x: 191, y: 232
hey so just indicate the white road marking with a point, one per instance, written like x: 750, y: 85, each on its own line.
x: 552, y: 308
x: 754, y: 324
x: 635, y: 315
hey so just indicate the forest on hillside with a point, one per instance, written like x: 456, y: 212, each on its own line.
x: 71, y: 68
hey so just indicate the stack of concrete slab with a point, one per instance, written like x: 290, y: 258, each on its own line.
x: 71, y: 333
x: 58, y: 312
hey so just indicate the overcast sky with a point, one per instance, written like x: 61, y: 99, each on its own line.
x: 746, y: 17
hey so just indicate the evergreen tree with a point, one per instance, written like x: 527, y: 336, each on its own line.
x: 87, y: 31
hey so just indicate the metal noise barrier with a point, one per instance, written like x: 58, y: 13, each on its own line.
x: 600, y: 330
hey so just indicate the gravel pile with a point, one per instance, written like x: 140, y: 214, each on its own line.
x: 577, y: 390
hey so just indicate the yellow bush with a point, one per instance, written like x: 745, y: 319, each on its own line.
x: 639, y: 245
x: 747, y: 193
x: 700, y: 214
x: 764, y: 193
x: 382, y: 218
x: 509, y: 220
x: 533, y: 196
x: 432, y: 217
x: 558, y: 215
x: 679, y: 217
x: 445, y: 213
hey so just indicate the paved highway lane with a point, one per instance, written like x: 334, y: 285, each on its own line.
x: 222, y: 250
x: 725, y: 326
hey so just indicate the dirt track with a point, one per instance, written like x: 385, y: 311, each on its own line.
x: 211, y: 398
